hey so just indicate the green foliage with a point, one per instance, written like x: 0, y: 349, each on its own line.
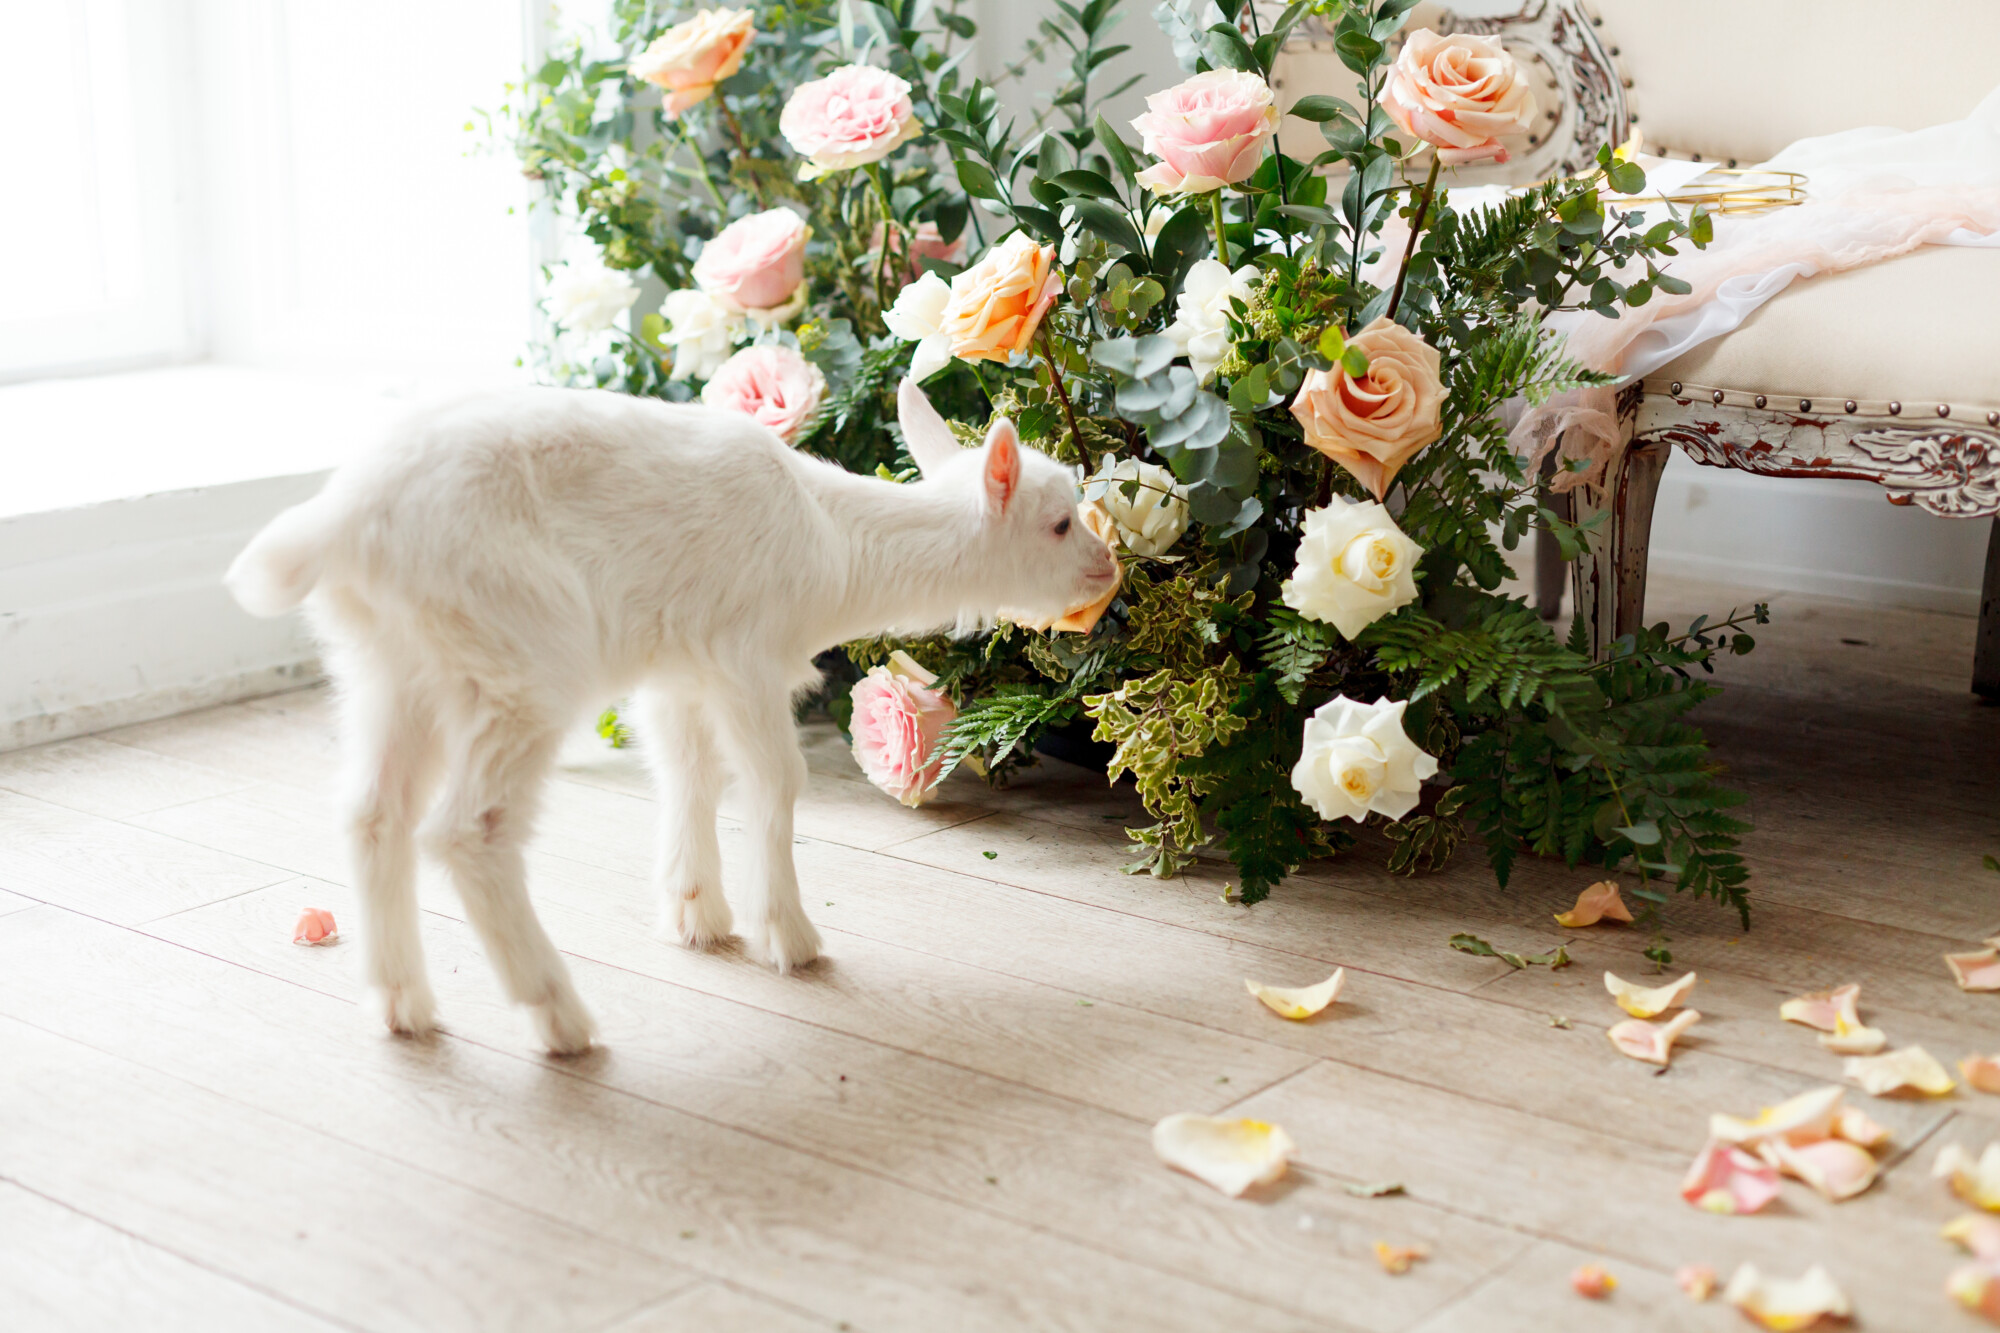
x: 1555, y: 958
x: 1157, y: 722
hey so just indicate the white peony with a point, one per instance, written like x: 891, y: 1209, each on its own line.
x: 1354, y: 566
x: 1155, y: 513
x: 585, y: 296
x: 1357, y: 759
x: 701, y: 329
x: 1201, y: 329
x: 917, y: 316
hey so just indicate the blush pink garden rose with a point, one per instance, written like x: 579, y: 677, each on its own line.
x: 1207, y: 132
x: 897, y: 722
x: 927, y: 242
x: 854, y: 116
x: 774, y: 384
x: 689, y: 59
x: 998, y: 303
x: 1374, y: 424
x: 756, y: 262
x: 1460, y: 94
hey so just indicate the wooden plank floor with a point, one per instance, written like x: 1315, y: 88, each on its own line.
x: 944, y: 1124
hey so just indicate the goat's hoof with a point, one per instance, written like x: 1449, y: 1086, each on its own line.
x: 410, y: 1010
x: 787, y: 942
x: 562, y: 1023
x: 700, y: 920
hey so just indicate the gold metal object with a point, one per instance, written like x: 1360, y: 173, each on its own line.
x: 1761, y: 191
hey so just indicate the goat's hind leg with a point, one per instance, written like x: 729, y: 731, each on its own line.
x: 688, y: 773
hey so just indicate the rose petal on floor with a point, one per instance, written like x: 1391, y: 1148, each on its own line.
x: 1645, y: 1002
x: 1980, y: 1236
x: 1806, y: 1118
x: 1652, y: 1042
x: 315, y: 927
x: 1726, y: 1179
x: 1301, y: 1002
x: 1855, y: 1126
x: 1981, y: 1072
x: 1823, y: 1009
x: 1976, y: 1286
x: 1836, y: 1168
x: 1396, y: 1259
x: 1912, y: 1068
x: 1853, y: 1039
x: 1976, y: 971
x: 1783, y: 1304
x: 1231, y: 1155
x: 1599, y: 902
x: 1975, y: 1180
x: 1593, y: 1282
x: 1697, y: 1280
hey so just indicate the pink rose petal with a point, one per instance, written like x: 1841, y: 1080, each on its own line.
x: 1724, y: 1179
x: 315, y: 927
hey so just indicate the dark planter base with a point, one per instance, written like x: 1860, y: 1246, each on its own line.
x: 1073, y: 745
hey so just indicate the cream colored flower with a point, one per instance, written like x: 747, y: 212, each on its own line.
x: 1374, y: 424
x: 918, y: 316
x: 586, y: 297
x: 1356, y: 760
x: 1461, y: 94
x: 1201, y: 326
x: 1152, y: 517
x: 1354, y: 566
x: 690, y: 58
x: 701, y: 330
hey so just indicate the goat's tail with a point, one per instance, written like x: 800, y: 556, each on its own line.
x: 283, y: 562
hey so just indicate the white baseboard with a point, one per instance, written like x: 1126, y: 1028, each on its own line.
x: 87, y: 719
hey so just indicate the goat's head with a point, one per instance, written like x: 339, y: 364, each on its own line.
x: 1032, y: 553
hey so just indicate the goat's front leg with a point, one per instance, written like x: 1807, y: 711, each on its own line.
x: 687, y: 772
x: 766, y: 750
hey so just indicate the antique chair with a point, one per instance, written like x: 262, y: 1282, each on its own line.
x: 1888, y: 373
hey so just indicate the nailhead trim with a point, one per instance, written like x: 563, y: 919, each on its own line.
x: 1993, y: 418
x: 1944, y: 409
x: 1805, y: 404
x: 1748, y: 398
x: 1716, y: 397
x: 1760, y: 400
x: 1675, y: 388
x: 1850, y: 404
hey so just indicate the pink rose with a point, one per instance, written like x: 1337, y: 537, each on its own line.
x: 856, y: 115
x: 1459, y: 94
x: 755, y: 263
x: 689, y: 59
x: 315, y: 927
x: 1207, y: 132
x: 897, y: 721
x: 927, y: 243
x: 774, y: 384
x: 1374, y: 424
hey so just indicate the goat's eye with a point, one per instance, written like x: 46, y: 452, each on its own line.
x: 1062, y: 528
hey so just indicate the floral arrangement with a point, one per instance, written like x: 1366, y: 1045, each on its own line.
x: 1284, y: 384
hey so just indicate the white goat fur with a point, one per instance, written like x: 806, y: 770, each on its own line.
x: 505, y: 563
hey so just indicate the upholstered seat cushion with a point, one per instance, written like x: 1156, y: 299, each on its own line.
x: 1919, y: 330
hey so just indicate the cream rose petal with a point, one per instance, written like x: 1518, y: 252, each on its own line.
x: 1644, y: 1002
x: 1599, y: 902
x: 1912, y: 1068
x: 1725, y: 1179
x: 1652, y: 1042
x: 1976, y: 971
x: 1853, y: 1038
x: 1697, y: 1280
x: 1396, y: 1259
x: 1975, y: 1180
x: 1823, y: 1009
x: 1231, y: 1155
x: 1855, y: 1126
x: 1981, y: 1072
x: 1976, y: 1286
x: 1806, y: 1118
x: 1300, y: 1002
x: 1786, y: 1305
x: 1980, y: 1236
x: 1836, y: 1168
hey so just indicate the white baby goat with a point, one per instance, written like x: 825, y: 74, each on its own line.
x: 508, y: 561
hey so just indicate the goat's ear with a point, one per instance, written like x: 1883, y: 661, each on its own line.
x: 1002, y: 469
x: 929, y: 440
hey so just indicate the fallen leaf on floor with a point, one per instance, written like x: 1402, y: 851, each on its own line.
x: 1975, y: 1180
x: 991, y: 856
x: 315, y: 927
x: 1554, y: 958
x: 1652, y: 1042
x: 1599, y: 902
x: 1836, y: 1168
x: 1301, y: 1002
x: 1558, y: 1021
x: 1375, y: 1191
x: 1979, y: 1236
x: 1911, y: 1068
x: 1726, y: 1179
x: 1786, y: 1305
x: 1981, y: 1072
x: 1647, y: 1002
x: 1976, y: 1286
x: 1824, y: 1009
x: 1697, y: 1280
x: 1231, y: 1155
x: 1396, y: 1259
x: 1979, y: 970
x: 1593, y: 1282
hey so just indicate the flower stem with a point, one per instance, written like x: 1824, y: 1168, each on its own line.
x: 888, y: 235
x: 1221, y: 241
x: 701, y: 165
x: 743, y: 149
x: 1416, y: 226
x: 1062, y: 394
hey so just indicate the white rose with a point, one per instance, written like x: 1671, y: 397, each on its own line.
x: 1153, y: 517
x: 1202, y: 329
x: 918, y: 316
x: 701, y: 330
x: 1356, y: 759
x: 1354, y: 566
x: 586, y: 297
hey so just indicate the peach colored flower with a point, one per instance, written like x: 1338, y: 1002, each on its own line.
x: 315, y: 927
x: 774, y: 384
x: 1082, y: 619
x: 689, y: 59
x: 1374, y: 424
x: 1592, y: 1282
x: 1460, y: 94
x: 897, y: 721
x: 756, y: 262
x: 927, y: 242
x: 1208, y: 132
x: 856, y: 115
x: 998, y: 303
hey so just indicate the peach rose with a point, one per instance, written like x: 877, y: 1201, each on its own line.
x: 926, y: 243
x: 1373, y: 425
x: 757, y: 262
x: 1459, y: 94
x: 689, y: 59
x: 774, y: 384
x: 1207, y: 132
x: 1083, y: 618
x: 856, y: 115
x: 998, y: 303
x: 315, y: 926
x: 897, y: 722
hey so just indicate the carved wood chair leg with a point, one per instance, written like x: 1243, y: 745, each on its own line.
x: 1551, y: 570
x: 1986, y: 650
x: 1611, y: 578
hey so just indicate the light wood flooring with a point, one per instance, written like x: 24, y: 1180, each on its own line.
x: 944, y: 1124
